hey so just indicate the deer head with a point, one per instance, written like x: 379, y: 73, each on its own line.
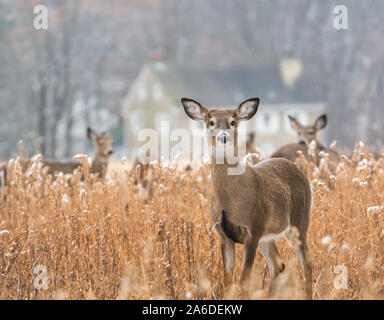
x: 307, y: 134
x: 221, y: 125
x: 103, y: 144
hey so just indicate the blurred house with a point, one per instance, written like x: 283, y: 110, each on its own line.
x: 283, y: 89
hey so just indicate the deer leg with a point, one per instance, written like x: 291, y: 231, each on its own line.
x: 302, y: 252
x: 271, y: 254
x: 250, y: 247
x: 228, y: 255
x: 275, y: 264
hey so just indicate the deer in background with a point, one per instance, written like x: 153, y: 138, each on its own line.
x: 269, y: 199
x: 306, y: 136
x: 103, y: 145
x: 253, y: 154
x: 142, y: 175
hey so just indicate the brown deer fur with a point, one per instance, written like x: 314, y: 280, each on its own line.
x: 306, y: 135
x: 103, y: 144
x: 253, y: 208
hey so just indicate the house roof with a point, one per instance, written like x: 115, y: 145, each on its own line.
x: 228, y: 87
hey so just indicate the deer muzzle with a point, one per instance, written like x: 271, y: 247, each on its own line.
x: 223, y: 137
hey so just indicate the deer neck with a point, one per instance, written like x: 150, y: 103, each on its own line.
x: 99, y: 162
x: 99, y: 159
x: 319, y: 146
x: 220, y: 170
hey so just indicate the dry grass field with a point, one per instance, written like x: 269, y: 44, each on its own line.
x: 97, y: 239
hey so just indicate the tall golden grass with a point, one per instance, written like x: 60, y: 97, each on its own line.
x: 98, y: 239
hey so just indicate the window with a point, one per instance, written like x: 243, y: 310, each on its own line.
x: 142, y: 93
x: 267, y: 119
x: 157, y: 92
x: 267, y: 123
x: 135, y: 121
x: 162, y: 122
x: 267, y: 149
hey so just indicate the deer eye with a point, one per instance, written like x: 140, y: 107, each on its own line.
x: 212, y: 123
x: 232, y: 122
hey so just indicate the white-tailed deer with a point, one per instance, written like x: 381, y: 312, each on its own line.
x: 253, y: 208
x: 143, y: 181
x: 143, y: 177
x: 103, y: 144
x: 306, y: 135
x: 253, y: 154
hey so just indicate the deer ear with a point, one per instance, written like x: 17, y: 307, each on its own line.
x: 321, y: 122
x: 193, y: 109
x: 91, y: 134
x: 247, y: 109
x: 295, y: 125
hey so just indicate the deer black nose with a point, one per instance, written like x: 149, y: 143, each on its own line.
x: 110, y: 152
x: 302, y: 142
x: 223, y: 137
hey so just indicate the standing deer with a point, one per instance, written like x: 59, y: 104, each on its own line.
x: 103, y: 144
x: 143, y: 177
x: 306, y: 135
x: 254, y: 208
x: 253, y: 154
